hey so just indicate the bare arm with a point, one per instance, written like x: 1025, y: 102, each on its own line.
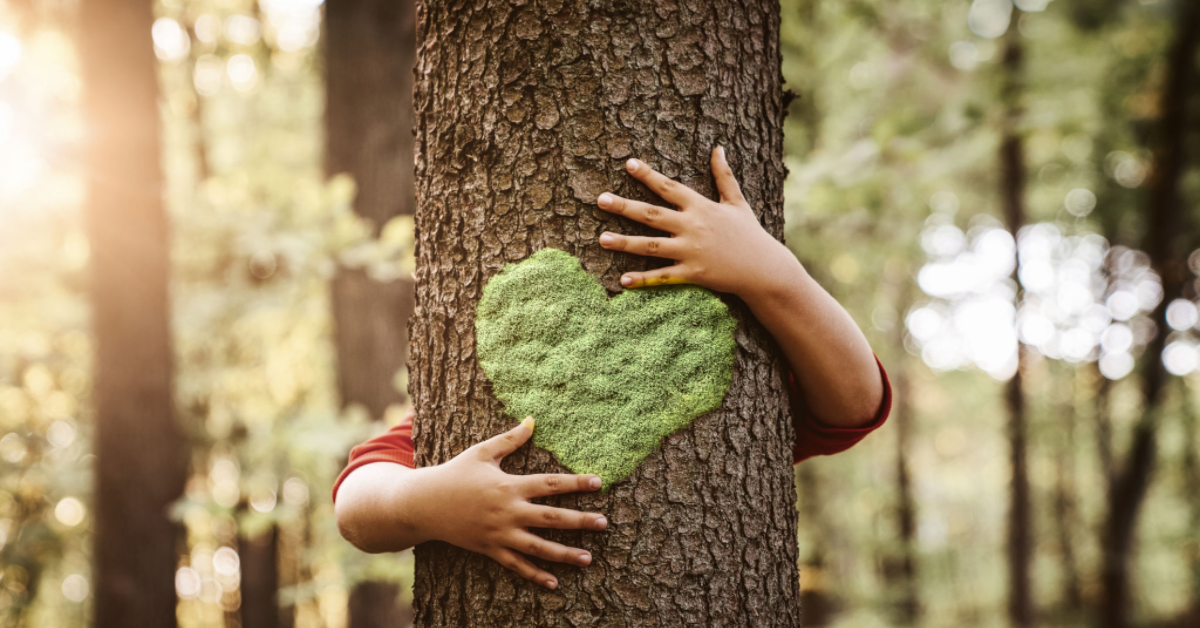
x: 380, y: 508
x: 721, y: 246
x: 469, y: 502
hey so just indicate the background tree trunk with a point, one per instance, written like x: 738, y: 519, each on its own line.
x: 908, y: 598
x: 1065, y: 509
x: 369, y: 62
x: 260, y: 579
x: 141, y: 458
x: 1164, y: 243
x: 1012, y: 194
x: 525, y: 115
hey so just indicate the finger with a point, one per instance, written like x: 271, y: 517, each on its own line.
x: 727, y: 185
x: 671, y: 191
x: 534, y: 545
x: 513, y: 561
x: 657, y: 277
x: 561, y: 519
x: 497, y: 447
x: 640, y: 245
x: 541, y: 484
x: 660, y: 218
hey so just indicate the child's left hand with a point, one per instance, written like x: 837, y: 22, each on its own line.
x: 717, y: 245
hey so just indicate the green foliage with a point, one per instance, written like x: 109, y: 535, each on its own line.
x: 606, y: 379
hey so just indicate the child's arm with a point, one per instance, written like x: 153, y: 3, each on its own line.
x: 469, y: 502
x: 721, y: 246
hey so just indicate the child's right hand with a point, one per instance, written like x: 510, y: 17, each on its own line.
x: 477, y: 506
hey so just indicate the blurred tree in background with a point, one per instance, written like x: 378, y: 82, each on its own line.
x: 896, y: 201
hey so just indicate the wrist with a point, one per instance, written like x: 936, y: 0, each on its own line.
x: 780, y: 281
x: 415, y: 501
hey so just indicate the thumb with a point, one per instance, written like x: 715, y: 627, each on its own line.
x: 500, y: 446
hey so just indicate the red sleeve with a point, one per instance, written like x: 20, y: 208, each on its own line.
x: 814, y: 438
x: 394, y: 445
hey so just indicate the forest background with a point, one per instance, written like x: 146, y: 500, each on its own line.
x: 917, y: 128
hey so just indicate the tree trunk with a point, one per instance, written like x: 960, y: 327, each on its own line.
x: 141, y: 456
x: 260, y: 579
x: 1066, y: 521
x: 1190, y: 480
x: 525, y: 115
x: 369, y: 54
x: 908, y: 604
x: 820, y: 606
x: 1164, y: 243
x: 1012, y: 194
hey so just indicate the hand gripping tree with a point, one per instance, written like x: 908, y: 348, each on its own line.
x: 526, y: 112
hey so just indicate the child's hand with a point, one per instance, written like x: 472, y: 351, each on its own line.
x: 481, y: 508
x: 720, y: 246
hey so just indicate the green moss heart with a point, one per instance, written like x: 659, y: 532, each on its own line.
x: 606, y: 379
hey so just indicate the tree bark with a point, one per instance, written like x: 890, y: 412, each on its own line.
x: 524, y: 116
x: 369, y: 54
x: 1164, y: 244
x: 908, y: 604
x: 1190, y: 480
x: 1012, y: 194
x: 141, y: 456
x: 1066, y: 520
x: 260, y: 579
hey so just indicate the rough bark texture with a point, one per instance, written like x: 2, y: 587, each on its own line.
x: 1164, y: 243
x: 369, y: 54
x: 141, y: 459
x: 525, y: 114
x: 1012, y: 194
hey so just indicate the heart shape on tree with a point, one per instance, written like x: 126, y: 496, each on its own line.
x: 606, y: 379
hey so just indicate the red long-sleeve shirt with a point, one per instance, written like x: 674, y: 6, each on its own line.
x: 813, y: 438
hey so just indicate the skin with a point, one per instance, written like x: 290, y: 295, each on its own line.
x: 721, y: 246
x: 470, y: 502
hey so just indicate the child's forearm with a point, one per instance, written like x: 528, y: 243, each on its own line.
x: 379, y: 507
x: 830, y: 357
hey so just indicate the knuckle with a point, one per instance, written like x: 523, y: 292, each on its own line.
x: 652, y: 213
x: 553, y: 483
x: 551, y: 517
x: 533, y: 548
x: 652, y: 246
x: 668, y: 184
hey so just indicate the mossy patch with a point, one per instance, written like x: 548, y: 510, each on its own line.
x: 606, y: 379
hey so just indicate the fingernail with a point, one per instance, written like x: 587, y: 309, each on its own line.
x: 632, y: 164
x: 550, y: 583
x: 605, y: 199
x: 606, y: 239
x: 601, y: 523
x: 626, y: 281
x: 596, y: 482
x: 585, y: 559
x: 721, y: 150
x: 529, y: 423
